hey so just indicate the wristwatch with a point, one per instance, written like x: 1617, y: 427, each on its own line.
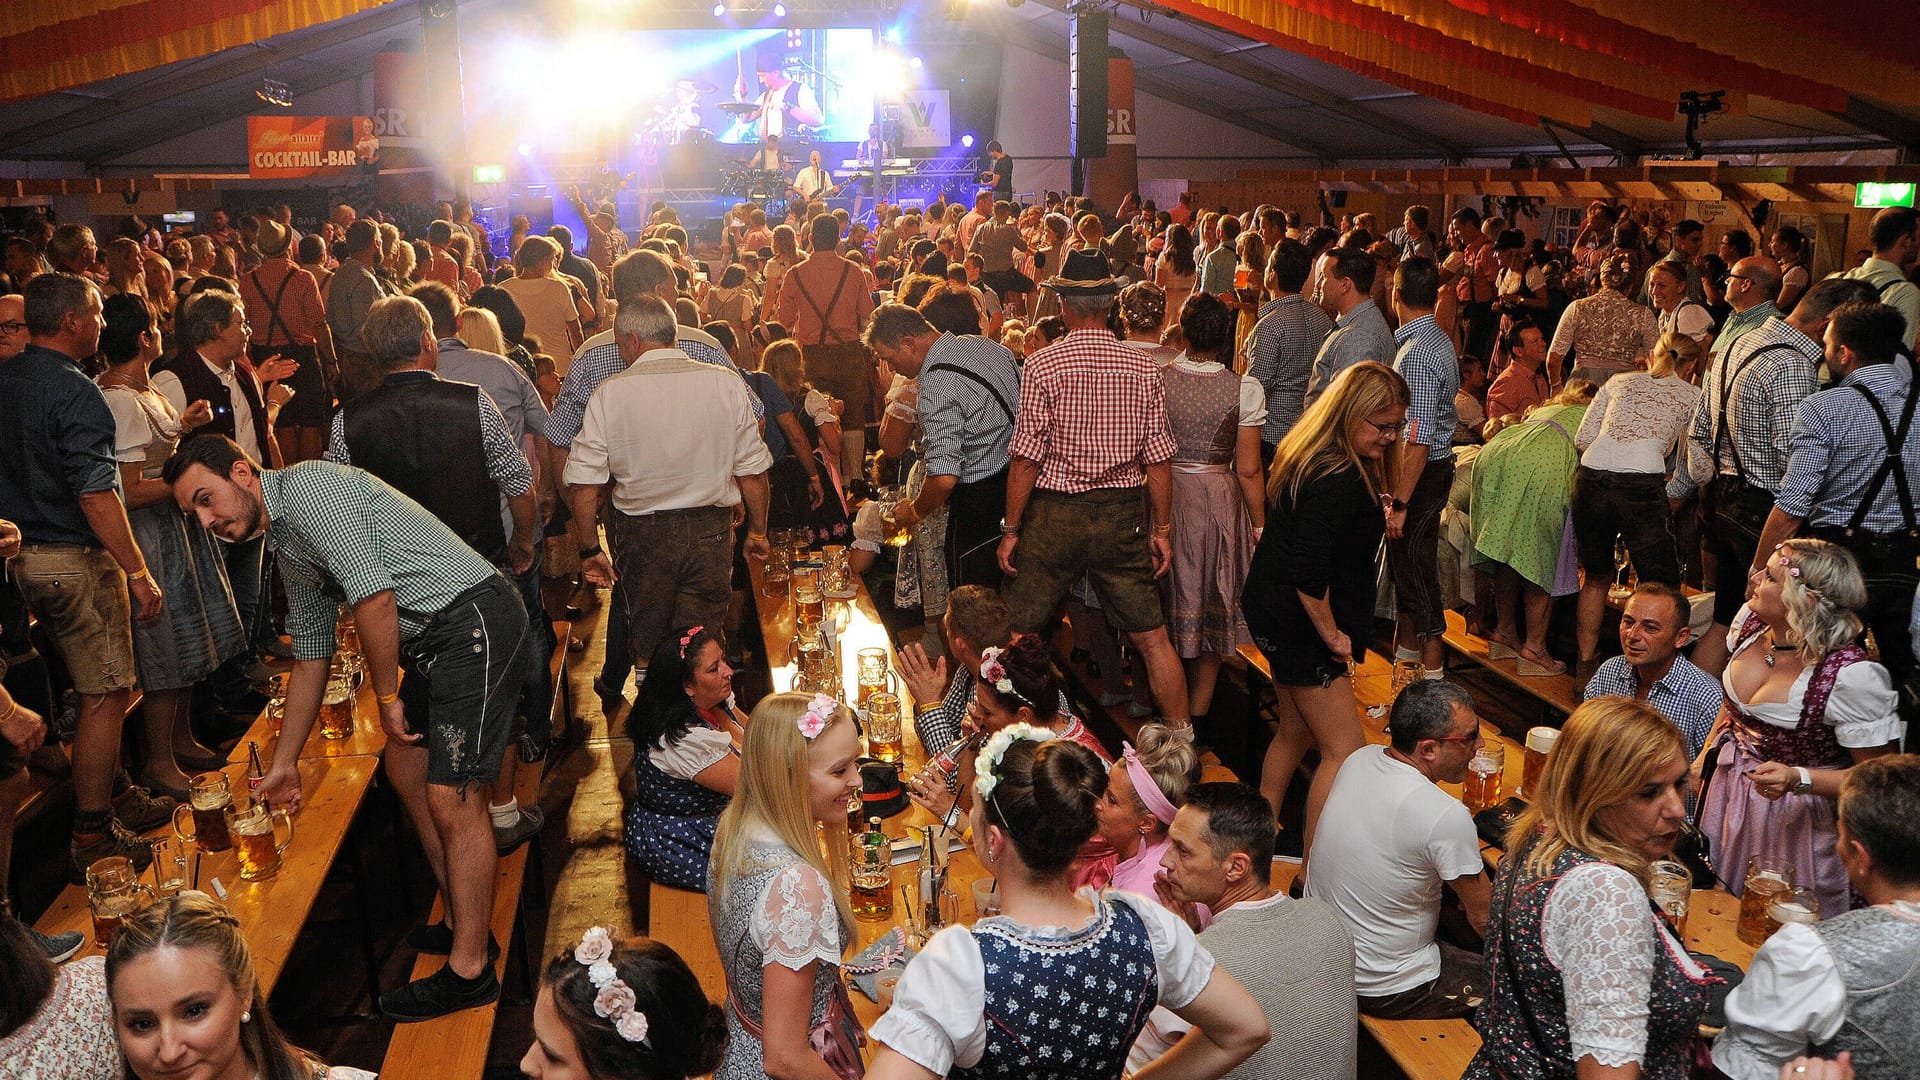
x: 1009, y: 530
x: 1392, y: 504
x: 1805, y: 783
x: 588, y: 553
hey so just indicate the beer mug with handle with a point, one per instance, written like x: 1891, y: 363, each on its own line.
x: 253, y: 838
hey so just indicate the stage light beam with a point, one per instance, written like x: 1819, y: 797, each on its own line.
x: 779, y: 11
x: 967, y: 140
x: 719, y: 11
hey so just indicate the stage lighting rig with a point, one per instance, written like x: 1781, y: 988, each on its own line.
x: 1697, y: 105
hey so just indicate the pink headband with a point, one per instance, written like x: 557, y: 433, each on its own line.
x: 1145, y: 788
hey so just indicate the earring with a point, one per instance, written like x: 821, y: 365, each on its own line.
x: 246, y: 1017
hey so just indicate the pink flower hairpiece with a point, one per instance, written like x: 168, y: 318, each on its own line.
x: 686, y: 639
x: 992, y: 670
x: 613, y: 999
x: 819, y: 713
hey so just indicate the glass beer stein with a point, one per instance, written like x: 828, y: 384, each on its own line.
x: 253, y: 838
x: 208, y: 797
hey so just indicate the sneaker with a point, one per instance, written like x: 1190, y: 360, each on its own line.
x: 532, y: 820
x: 436, y: 939
x: 118, y: 841
x: 59, y: 947
x: 438, y: 994
x: 141, y: 810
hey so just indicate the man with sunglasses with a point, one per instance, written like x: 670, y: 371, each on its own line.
x: 1388, y: 840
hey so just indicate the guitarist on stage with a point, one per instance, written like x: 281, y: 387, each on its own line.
x: 814, y: 182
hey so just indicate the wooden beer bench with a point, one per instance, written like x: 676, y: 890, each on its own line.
x: 455, y: 1045
x: 1554, y: 693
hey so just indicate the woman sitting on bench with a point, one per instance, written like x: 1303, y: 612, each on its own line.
x: 687, y: 735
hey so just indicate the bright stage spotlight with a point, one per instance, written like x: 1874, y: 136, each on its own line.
x: 526, y: 149
x: 914, y: 63
x: 779, y: 11
x: 719, y: 11
x: 967, y: 140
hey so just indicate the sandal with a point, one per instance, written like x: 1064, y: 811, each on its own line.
x: 1527, y: 667
x: 1500, y: 650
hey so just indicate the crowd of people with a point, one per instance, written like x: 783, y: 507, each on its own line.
x: 1188, y: 430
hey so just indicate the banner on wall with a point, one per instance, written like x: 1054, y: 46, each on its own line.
x: 293, y: 147
x: 926, y: 120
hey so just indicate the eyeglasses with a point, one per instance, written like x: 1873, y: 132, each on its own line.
x: 12, y: 327
x: 1387, y: 431
x: 1473, y: 738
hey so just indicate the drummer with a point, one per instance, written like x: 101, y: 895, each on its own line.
x: 768, y: 156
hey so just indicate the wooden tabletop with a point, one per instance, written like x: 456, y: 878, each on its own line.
x: 368, y: 737
x: 271, y: 912
x: 856, y: 625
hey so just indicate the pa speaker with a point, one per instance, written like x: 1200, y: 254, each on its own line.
x: 1087, y: 85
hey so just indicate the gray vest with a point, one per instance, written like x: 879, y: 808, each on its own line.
x: 1878, y: 952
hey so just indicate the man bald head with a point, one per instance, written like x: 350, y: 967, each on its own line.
x: 1755, y: 279
x: 13, y: 325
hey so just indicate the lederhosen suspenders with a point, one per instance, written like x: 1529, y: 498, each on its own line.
x: 845, y: 271
x: 1896, y: 441
x: 1722, y: 421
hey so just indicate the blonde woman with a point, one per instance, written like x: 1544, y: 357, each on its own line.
x: 1144, y: 790
x: 552, y: 309
x: 1804, y: 704
x: 1309, y: 594
x: 480, y: 329
x: 786, y: 254
x: 1584, y: 978
x: 807, y: 493
x: 126, y: 268
x: 780, y: 917
x: 1636, y: 421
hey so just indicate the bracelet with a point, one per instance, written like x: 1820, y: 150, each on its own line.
x: 589, y: 552
x: 13, y: 710
x: 386, y: 699
x: 1163, y: 530
x: 144, y: 573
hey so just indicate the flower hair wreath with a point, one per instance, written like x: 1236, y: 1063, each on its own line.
x: 613, y: 999
x: 818, y: 715
x: 992, y: 670
x: 986, y: 774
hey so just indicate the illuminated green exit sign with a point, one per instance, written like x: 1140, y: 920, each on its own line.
x: 495, y: 174
x: 1874, y: 196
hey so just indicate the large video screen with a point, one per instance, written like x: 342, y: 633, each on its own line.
x: 740, y: 85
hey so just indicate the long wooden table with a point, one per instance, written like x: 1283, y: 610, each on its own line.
x: 368, y: 737
x: 270, y: 912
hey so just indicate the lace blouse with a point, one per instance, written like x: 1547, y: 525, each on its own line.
x: 1596, y: 932
x: 795, y: 922
x: 1634, y: 423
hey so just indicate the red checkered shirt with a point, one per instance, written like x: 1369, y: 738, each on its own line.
x: 1093, y: 413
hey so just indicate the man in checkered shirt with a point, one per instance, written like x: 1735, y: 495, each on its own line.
x: 1090, y: 433
x: 1737, y: 445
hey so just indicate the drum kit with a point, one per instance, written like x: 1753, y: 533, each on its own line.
x: 676, y: 120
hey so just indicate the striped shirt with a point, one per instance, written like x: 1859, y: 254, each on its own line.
x: 341, y: 535
x: 1427, y: 361
x: 967, y: 427
x: 1837, y: 447
x: 505, y: 464
x: 1766, y: 395
x: 1092, y: 413
x: 1280, y: 353
x: 1685, y: 695
x: 599, y: 359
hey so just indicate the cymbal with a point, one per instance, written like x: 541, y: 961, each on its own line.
x: 741, y: 107
x: 700, y: 86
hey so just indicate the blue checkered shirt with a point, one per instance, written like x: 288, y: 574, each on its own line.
x: 600, y: 360
x: 1685, y: 695
x: 1837, y: 447
x: 1766, y: 396
x: 1425, y: 358
x: 1280, y: 353
x: 966, y: 429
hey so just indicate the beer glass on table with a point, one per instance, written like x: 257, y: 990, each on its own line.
x: 253, y: 839
x: 1792, y: 906
x: 884, y: 737
x: 208, y: 797
x: 1540, y: 742
x: 871, y: 671
x: 336, y: 709
x: 1768, y: 877
x: 113, y: 893
x: 169, y: 865
x: 1671, y: 886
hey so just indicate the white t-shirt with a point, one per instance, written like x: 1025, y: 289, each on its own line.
x: 1388, y: 840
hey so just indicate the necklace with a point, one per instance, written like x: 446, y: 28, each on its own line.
x: 1771, y: 656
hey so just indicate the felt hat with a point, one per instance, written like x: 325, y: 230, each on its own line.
x: 1084, y: 273
x: 273, y: 238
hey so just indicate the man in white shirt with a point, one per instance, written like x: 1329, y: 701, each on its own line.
x: 1294, y: 956
x: 1389, y: 838
x: 1896, y: 245
x: 813, y: 179
x: 676, y: 444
